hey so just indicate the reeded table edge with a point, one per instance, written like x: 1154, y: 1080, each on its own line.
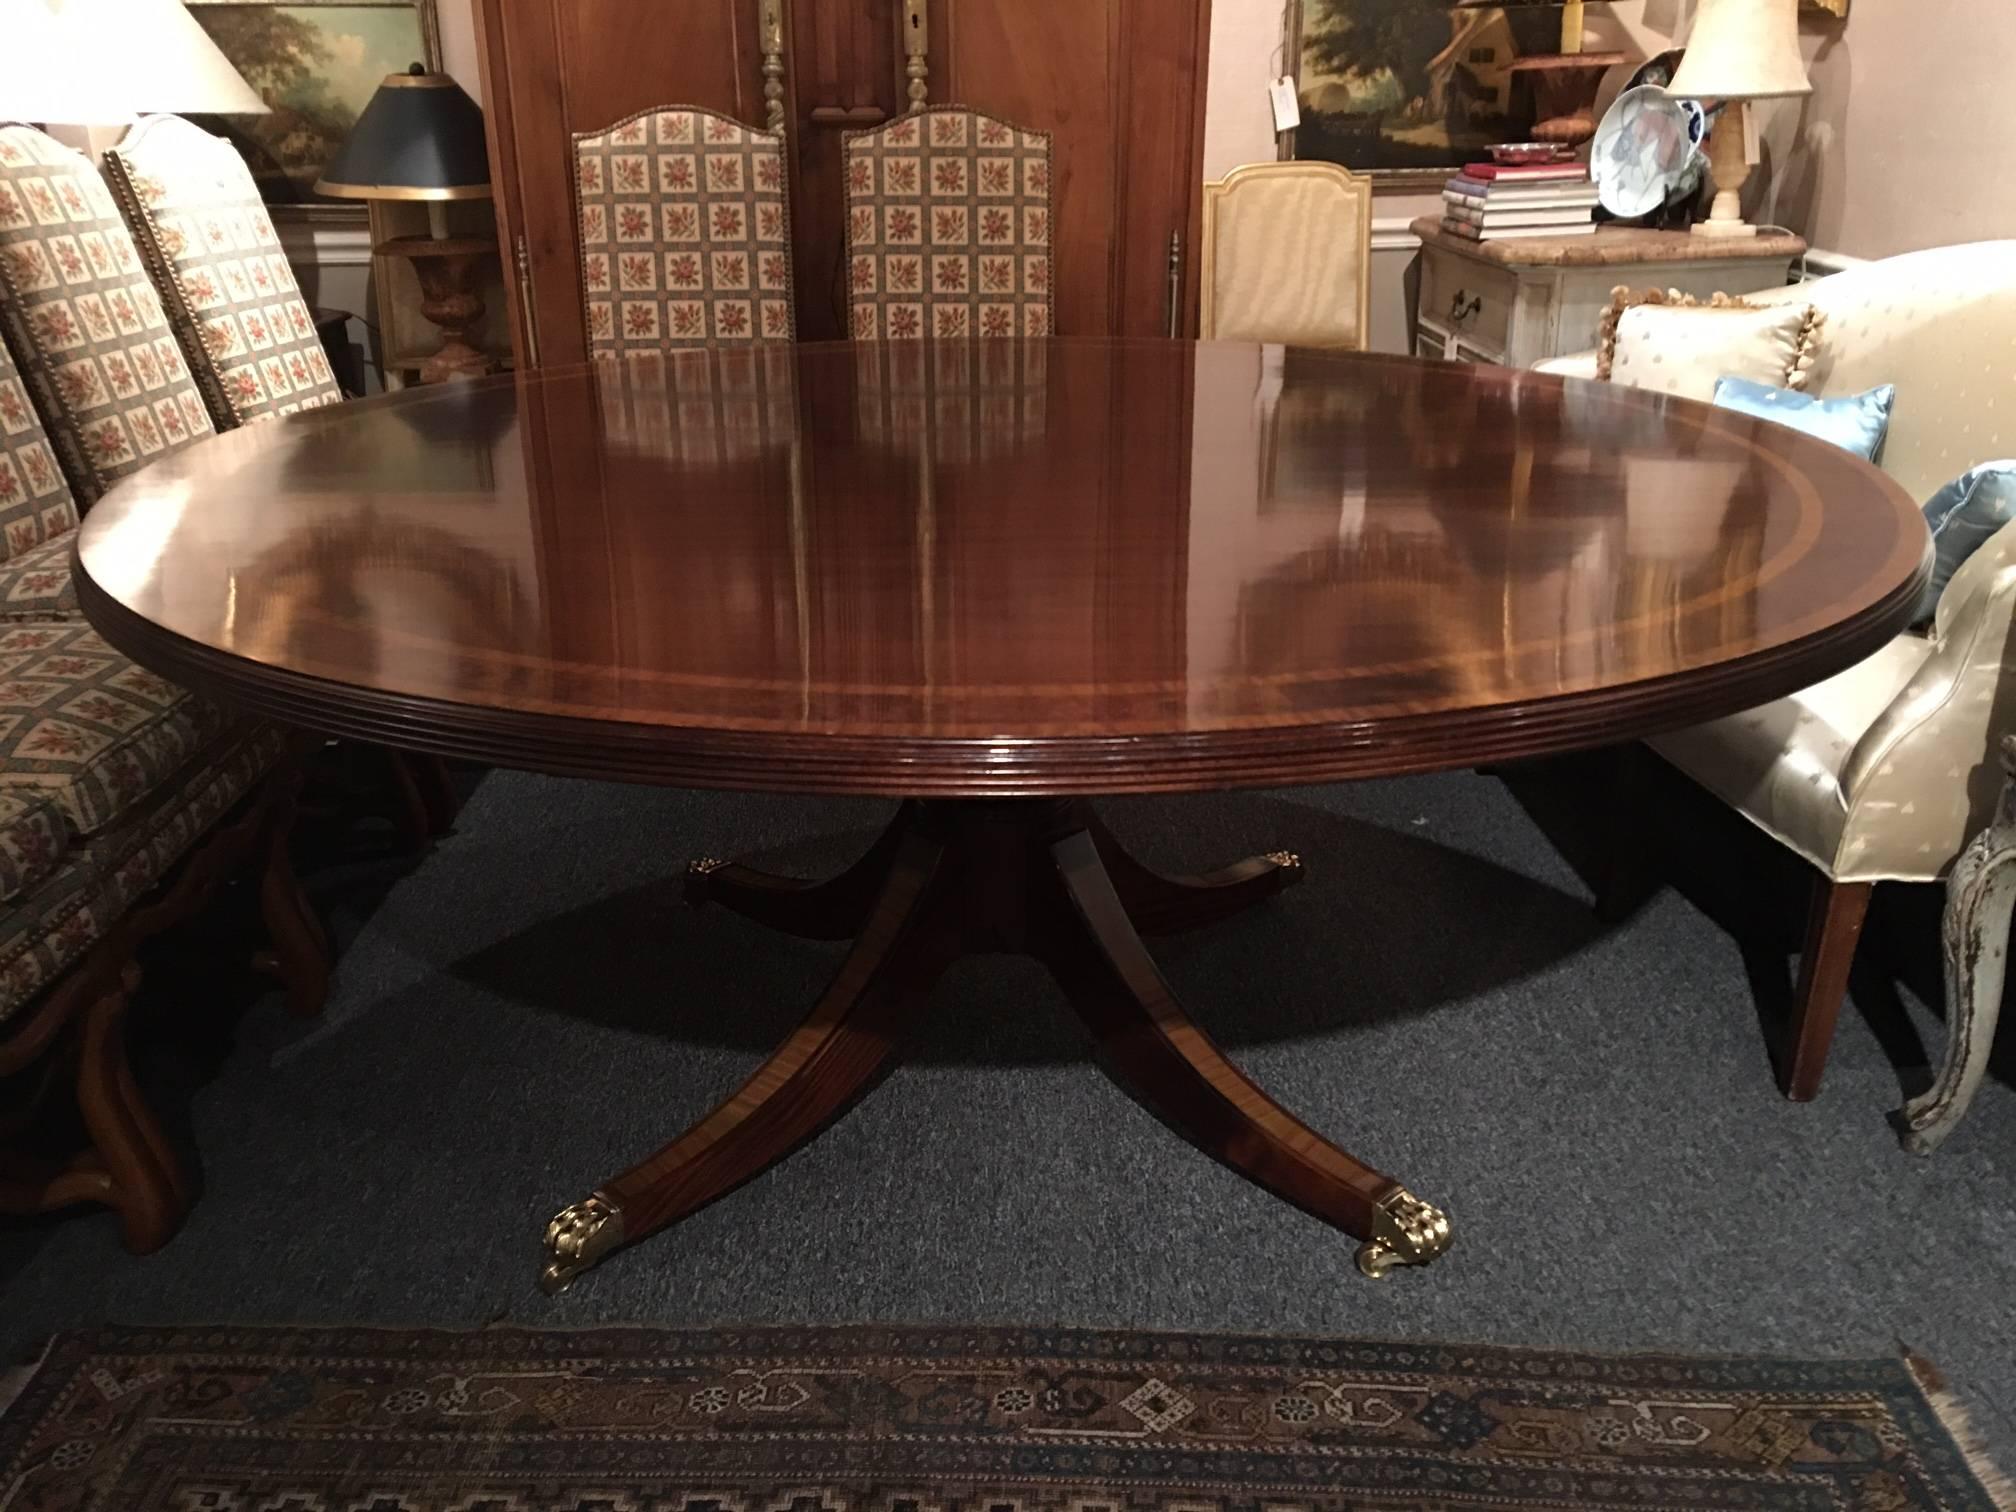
x: 1012, y: 767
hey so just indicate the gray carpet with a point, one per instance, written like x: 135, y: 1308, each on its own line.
x: 528, y: 1009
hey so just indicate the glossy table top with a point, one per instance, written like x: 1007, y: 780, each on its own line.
x: 1065, y: 567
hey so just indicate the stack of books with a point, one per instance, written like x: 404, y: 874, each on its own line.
x: 1498, y: 201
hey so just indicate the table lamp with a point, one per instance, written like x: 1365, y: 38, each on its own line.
x: 103, y: 62
x: 1738, y: 51
x: 421, y: 138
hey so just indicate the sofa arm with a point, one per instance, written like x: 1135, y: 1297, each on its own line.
x: 1580, y: 365
x: 1923, y: 778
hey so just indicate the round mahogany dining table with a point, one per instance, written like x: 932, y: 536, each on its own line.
x: 996, y: 581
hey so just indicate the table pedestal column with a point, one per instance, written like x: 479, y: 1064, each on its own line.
x: 1041, y: 877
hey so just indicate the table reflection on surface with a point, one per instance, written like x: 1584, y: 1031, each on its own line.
x: 1003, y: 540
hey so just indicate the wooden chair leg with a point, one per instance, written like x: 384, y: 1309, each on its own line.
x: 1980, y: 902
x: 146, y: 1184
x: 300, y: 953
x: 426, y: 794
x: 1625, y: 877
x: 1832, y: 928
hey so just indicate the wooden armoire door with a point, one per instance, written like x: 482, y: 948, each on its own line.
x: 1118, y: 83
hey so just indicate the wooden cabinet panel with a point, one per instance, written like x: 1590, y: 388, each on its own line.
x: 555, y: 67
x: 1119, y: 84
x: 841, y: 68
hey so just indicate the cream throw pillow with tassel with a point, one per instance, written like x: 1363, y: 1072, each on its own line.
x: 1673, y: 344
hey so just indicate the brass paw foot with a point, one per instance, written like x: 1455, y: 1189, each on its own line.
x: 1288, y: 861
x: 1405, y: 1231
x: 576, y: 1239
x: 697, y: 873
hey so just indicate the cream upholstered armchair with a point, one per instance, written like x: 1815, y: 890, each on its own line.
x: 1886, y: 771
x: 1288, y: 256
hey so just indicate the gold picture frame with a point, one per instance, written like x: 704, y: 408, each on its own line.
x: 316, y: 63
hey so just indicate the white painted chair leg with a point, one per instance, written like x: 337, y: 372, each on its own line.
x: 1980, y: 899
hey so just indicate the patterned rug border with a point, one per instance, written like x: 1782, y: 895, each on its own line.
x: 1936, y: 1420
x: 925, y: 1341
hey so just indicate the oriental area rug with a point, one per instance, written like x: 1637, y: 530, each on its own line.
x: 951, y: 1419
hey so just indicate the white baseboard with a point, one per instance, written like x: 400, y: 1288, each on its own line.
x: 1394, y: 233
x: 326, y: 246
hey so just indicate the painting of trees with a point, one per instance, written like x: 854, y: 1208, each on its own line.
x: 1360, y: 37
x: 315, y: 66
x: 1410, y: 84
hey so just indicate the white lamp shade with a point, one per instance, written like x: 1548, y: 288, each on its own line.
x: 36, y: 78
x: 1742, y: 50
x: 111, y: 60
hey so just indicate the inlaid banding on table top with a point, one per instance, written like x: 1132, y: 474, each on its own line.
x: 848, y: 563
x: 1785, y: 557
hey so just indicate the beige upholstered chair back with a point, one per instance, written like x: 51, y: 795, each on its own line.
x: 1941, y: 325
x: 84, y: 320
x: 35, y: 502
x: 1287, y: 255
x: 948, y: 227
x: 224, y: 278
x: 685, y: 232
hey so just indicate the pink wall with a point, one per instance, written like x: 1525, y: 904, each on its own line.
x: 1904, y: 142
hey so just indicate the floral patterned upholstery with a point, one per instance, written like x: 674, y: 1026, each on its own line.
x: 685, y: 232
x: 35, y: 502
x: 948, y: 227
x: 84, y: 895
x: 85, y: 727
x: 33, y: 841
x: 36, y: 584
x: 85, y: 323
x: 224, y: 280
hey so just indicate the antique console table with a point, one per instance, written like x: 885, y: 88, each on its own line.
x: 1522, y: 301
x: 996, y: 582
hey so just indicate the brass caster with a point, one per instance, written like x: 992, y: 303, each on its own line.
x: 1288, y: 862
x: 1405, y: 1231
x: 697, y: 873
x: 576, y: 1239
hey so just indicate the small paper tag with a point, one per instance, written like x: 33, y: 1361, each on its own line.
x: 1753, y: 147
x: 1281, y: 95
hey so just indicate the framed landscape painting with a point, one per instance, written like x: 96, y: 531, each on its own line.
x: 1411, y: 90
x: 316, y: 63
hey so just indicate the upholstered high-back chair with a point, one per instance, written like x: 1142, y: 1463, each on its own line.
x: 86, y: 326
x: 1288, y: 256
x: 224, y: 279
x: 685, y: 232
x: 38, y: 515
x: 948, y: 227
x: 1884, y: 772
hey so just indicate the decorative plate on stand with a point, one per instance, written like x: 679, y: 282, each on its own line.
x: 1647, y: 151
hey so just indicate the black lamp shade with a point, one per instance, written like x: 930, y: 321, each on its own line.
x: 420, y: 138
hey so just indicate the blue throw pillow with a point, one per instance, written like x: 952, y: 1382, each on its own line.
x: 1961, y: 516
x: 1855, y: 424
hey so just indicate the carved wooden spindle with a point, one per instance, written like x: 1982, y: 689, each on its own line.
x: 916, y: 39
x: 773, y: 64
